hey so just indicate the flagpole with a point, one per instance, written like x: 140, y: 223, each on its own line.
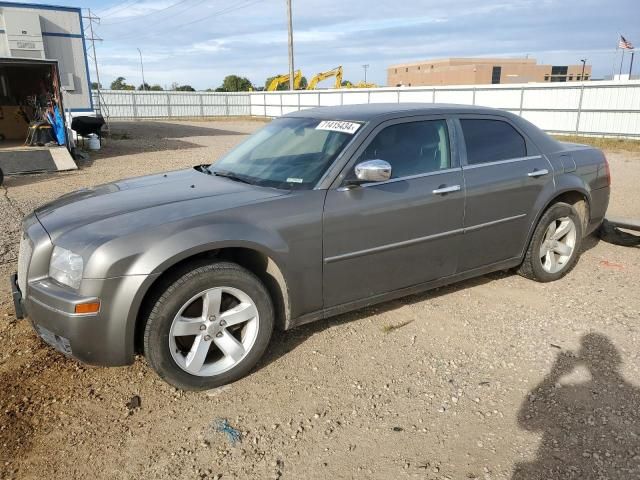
x: 615, y: 57
x: 631, y: 64
x: 621, y: 62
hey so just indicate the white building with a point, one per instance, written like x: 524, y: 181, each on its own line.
x: 52, y: 33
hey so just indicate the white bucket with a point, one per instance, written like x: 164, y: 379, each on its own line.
x: 94, y: 141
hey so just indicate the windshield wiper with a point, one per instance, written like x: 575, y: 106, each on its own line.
x: 230, y: 176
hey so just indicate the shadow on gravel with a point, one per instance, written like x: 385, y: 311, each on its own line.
x: 590, y: 430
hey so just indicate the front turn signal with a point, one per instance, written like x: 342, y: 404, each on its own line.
x: 90, y: 307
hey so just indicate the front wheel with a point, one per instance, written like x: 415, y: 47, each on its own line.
x: 555, y: 246
x: 210, y: 327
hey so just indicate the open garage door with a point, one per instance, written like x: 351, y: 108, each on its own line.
x: 33, y: 133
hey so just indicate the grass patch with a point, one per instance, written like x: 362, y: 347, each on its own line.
x: 603, y: 143
x: 391, y: 328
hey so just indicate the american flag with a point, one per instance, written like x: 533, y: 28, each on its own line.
x: 624, y: 43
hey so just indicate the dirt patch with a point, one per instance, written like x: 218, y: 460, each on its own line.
x: 494, y: 378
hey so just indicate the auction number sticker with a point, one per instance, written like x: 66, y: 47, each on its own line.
x: 339, y: 126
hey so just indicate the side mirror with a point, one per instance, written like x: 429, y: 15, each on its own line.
x: 373, y: 171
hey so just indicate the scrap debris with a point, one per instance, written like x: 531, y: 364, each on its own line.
x: 222, y: 425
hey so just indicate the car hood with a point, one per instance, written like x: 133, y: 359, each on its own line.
x: 155, y: 197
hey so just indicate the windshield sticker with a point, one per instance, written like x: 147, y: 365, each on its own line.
x: 339, y: 126
x: 294, y: 180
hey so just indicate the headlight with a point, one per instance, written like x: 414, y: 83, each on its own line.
x: 66, y: 267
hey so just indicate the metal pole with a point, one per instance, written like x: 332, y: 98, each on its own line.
x: 290, y: 23
x: 365, y: 66
x: 93, y: 47
x: 584, y: 62
x: 621, y: 62
x: 144, y: 84
x: 631, y: 64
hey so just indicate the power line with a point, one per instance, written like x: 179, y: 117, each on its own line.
x: 144, y: 15
x: 118, y: 7
x: 171, y: 16
x: 207, y: 17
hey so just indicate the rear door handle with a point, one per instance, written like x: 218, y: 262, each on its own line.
x: 443, y: 190
x: 538, y: 173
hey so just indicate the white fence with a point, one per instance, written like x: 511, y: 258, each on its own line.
x: 590, y: 108
x: 138, y: 104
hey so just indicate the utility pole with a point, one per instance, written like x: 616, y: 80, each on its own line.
x: 144, y: 84
x: 93, y: 39
x: 365, y: 66
x: 584, y: 62
x: 290, y: 22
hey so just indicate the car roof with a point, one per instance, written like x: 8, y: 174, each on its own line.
x: 370, y: 111
x: 380, y: 112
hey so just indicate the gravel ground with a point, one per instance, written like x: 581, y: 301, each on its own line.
x: 494, y: 378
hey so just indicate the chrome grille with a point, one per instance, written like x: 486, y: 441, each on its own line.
x: 24, y: 258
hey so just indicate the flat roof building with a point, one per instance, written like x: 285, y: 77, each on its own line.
x: 479, y: 71
x: 47, y: 32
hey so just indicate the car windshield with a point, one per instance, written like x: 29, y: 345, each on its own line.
x: 288, y: 153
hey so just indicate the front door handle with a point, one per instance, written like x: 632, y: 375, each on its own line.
x: 443, y: 190
x: 538, y: 173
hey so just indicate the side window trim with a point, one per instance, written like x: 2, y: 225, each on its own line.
x: 498, y: 162
x: 454, y: 152
x: 411, y: 177
x: 529, y: 145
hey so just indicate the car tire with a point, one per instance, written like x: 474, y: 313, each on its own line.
x: 548, y: 257
x: 188, y: 346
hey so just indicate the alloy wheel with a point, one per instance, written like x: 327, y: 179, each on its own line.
x: 213, y: 331
x: 558, y: 244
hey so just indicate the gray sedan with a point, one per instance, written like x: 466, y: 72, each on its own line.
x: 321, y: 212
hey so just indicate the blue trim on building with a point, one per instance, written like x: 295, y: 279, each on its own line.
x: 66, y: 35
x: 72, y: 110
x: 39, y: 6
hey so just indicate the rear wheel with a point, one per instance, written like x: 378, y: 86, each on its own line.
x: 210, y: 327
x: 555, y: 246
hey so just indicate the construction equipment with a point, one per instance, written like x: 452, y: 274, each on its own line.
x: 334, y: 72
x: 361, y: 85
x: 282, y: 79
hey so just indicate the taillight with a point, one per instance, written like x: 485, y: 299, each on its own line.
x: 607, y: 170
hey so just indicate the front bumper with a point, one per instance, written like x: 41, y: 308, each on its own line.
x: 104, y: 338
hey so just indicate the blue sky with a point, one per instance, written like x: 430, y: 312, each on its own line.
x: 198, y: 42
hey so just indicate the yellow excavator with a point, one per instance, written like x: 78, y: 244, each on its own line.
x: 282, y: 79
x: 335, y: 72
x: 361, y: 85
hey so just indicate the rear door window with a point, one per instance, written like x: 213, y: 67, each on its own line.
x: 491, y: 141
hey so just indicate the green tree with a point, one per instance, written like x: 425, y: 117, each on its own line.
x: 156, y: 88
x: 184, y: 88
x: 235, y: 83
x: 120, y: 84
x: 144, y: 86
x: 95, y: 85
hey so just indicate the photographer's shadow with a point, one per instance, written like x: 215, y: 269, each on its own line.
x: 591, y: 428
